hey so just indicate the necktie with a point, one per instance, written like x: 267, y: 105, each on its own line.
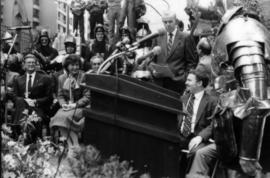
x: 170, y: 42
x: 29, y: 83
x: 187, y: 121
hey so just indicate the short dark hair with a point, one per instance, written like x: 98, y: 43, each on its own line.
x: 180, y: 23
x: 72, y: 59
x: 201, y: 75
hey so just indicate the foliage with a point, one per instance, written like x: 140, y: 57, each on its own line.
x: 41, y: 160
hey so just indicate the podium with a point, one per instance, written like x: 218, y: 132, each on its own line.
x: 135, y: 120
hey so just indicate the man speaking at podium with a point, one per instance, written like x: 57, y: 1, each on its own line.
x: 170, y: 67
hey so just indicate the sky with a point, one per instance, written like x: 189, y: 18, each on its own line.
x: 154, y: 19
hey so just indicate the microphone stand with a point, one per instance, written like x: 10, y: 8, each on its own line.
x: 107, y: 63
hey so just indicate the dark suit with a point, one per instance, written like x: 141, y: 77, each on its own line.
x: 40, y: 91
x: 203, y: 125
x: 180, y: 60
x: 203, y: 128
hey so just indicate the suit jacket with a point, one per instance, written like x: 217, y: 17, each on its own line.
x: 81, y: 95
x: 203, y: 126
x: 40, y: 91
x: 180, y: 59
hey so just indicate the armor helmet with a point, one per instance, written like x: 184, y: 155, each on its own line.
x: 70, y: 40
x: 7, y: 36
x: 44, y: 34
x: 124, y: 30
x: 204, y: 15
x: 100, y: 28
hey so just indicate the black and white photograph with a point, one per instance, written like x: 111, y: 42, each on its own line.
x: 135, y: 88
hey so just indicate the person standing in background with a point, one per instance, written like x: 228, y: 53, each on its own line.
x: 96, y: 10
x: 132, y: 10
x: 77, y: 8
x: 114, y: 10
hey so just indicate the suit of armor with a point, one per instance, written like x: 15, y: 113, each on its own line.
x: 243, y: 42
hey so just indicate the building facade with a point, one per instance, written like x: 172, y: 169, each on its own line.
x: 53, y: 15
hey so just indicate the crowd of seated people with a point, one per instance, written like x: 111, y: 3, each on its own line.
x: 53, y: 66
x: 50, y: 84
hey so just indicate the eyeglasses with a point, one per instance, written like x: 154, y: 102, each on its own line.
x: 96, y: 64
x: 30, y: 62
x: 44, y: 40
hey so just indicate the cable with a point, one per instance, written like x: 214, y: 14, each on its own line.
x: 68, y: 136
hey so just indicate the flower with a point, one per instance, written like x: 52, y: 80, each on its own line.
x: 11, y: 143
x: 47, y: 172
x: 6, y: 129
x: 8, y: 158
x: 21, y: 176
x: 50, y: 150
x: 42, y: 149
x: 62, y: 139
x: 25, y: 111
x: 9, y: 175
x: 39, y: 161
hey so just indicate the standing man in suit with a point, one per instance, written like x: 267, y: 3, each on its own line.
x: 32, y: 93
x: 175, y: 58
x: 196, y: 127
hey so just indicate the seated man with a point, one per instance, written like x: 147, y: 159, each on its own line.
x: 32, y: 92
x: 95, y: 62
x: 195, y: 126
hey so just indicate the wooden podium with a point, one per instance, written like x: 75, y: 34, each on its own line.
x: 135, y: 120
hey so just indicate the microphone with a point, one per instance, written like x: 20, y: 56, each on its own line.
x: 155, y: 51
x: 122, y: 43
x: 20, y: 28
x: 160, y: 32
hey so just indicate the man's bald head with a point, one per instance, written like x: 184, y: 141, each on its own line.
x: 169, y: 21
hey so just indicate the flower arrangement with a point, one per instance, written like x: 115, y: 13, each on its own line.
x: 27, y: 124
x: 41, y: 160
x: 29, y: 161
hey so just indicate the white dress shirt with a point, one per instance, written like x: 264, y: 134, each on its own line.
x: 197, y: 101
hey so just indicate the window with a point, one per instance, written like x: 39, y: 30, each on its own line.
x: 70, y: 21
x: 36, y: 2
x: 36, y: 13
x: 35, y: 24
x: 59, y: 16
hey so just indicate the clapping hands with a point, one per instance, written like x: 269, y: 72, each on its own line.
x: 30, y: 102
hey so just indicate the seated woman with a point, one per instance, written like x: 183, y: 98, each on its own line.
x: 69, y: 121
x: 95, y: 62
